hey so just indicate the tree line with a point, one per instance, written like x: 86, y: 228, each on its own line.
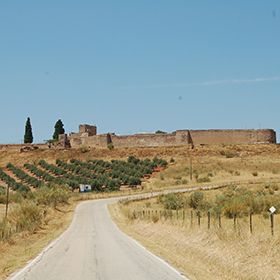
x: 28, y: 135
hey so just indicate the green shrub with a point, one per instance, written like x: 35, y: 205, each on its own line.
x: 196, y: 200
x: 2, y: 190
x: 84, y: 149
x: 148, y: 204
x: 52, y: 196
x: 134, y: 181
x: 173, y: 201
x: 172, y: 160
x: 110, y: 146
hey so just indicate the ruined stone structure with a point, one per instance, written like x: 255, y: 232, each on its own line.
x: 88, y: 136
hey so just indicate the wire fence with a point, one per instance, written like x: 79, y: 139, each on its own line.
x: 252, y: 224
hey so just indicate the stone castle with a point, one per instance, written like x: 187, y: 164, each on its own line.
x: 87, y: 136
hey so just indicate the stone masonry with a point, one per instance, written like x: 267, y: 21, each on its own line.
x: 88, y: 136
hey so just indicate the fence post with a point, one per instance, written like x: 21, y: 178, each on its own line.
x: 191, y: 218
x: 220, y: 220
x: 234, y: 221
x: 209, y: 219
x: 177, y: 214
x: 198, y: 218
x: 272, y: 223
x: 183, y: 216
x: 251, y: 222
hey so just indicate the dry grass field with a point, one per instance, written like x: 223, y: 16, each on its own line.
x: 200, y: 253
x: 220, y: 254
x: 215, y: 253
x: 24, y: 246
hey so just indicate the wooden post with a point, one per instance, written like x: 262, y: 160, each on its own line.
x: 191, y: 218
x: 209, y: 219
x: 183, y: 216
x: 234, y: 221
x: 272, y: 223
x: 220, y: 220
x: 7, y: 202
x: 177, y: 214
x: 198, y: 218
x: 251, y: 222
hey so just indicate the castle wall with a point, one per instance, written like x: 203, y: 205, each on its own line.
x: 99, y: 141
x: 144, y: 140
x: 241, y: 136
x: 180, y: 137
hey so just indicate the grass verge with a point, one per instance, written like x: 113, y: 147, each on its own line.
x: 220, y: 254
x: 24, y: 246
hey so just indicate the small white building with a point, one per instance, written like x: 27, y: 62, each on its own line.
x: 85, y: 188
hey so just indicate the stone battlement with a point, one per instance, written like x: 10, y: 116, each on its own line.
x: 88, y: 136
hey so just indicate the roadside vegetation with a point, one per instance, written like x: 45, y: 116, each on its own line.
x: 35, y: 188
x: 216, y: 234
x: 43, y: 196
x: 223, y: 233
x: 250, y: 172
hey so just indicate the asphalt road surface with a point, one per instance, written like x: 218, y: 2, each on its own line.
x: 94, y: 248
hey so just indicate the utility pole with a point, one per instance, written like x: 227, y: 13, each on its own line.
x: 191, y: 147
x: 7, y: 202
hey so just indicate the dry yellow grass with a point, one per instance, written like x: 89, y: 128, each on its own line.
x: 210, y: 254
x: 216, y: 253
x: 218, y: 169
x: 222, y: 259
x: 22, y: 247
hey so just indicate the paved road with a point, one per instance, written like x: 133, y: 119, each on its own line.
x: 94, y: 248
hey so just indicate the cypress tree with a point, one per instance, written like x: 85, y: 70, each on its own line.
x: 28, y: 136
x: 58, y: 129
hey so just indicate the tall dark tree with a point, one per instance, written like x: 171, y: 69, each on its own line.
x: 58, y: 129
x: 28, y: 136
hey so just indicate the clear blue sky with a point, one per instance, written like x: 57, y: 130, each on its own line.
x: 138, y: 66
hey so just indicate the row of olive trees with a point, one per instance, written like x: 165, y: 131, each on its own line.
x: 28, y: 135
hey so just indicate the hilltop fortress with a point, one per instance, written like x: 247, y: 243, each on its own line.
x: 87, y: 136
